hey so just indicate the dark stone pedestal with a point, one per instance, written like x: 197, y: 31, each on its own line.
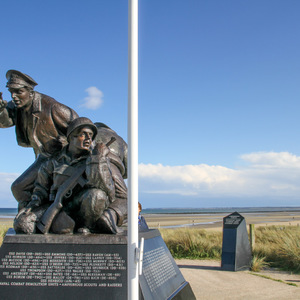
x: 63, y: 267
x: 236, y: 251
x: 91, y: 266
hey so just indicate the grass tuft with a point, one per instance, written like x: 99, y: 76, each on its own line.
x: 258, y: 263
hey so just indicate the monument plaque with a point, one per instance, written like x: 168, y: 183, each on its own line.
x: 236, y: 251
x: 85, y: 267
x: 63, y: 267
x: 161, y: 277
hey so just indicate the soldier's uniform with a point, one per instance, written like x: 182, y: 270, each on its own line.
x: 100, y: 204
x: 43, y: 127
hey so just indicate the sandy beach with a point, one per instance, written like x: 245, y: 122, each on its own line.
x: 215, y: 221
x: 210, y: 221
x: 6, y: 221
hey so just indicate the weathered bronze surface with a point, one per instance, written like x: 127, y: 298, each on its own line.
x: 76, y: 183
x: 40, y: 122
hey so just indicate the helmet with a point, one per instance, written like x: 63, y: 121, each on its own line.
x: 81, y: 122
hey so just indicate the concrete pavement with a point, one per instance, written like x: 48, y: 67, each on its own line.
x: 209, y: 281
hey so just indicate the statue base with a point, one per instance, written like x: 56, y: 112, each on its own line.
x: 90, y: 266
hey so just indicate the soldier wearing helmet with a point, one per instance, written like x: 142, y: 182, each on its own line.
x: 87, y: 208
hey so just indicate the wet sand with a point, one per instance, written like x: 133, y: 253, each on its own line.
x: 210, y: 221
x: 215, y: 221
x: 6, y: 221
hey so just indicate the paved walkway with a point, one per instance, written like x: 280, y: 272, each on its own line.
x: 208, y: 281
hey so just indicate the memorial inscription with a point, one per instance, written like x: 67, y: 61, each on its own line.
x: 161, y: 277
x: 80, y: 267
x: 158, y: 268
x: 57, y: 267
x: 233, y: 220
x: 62, y: 269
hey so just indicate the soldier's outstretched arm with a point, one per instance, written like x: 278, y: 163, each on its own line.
x: 6, y: 119
x: 3, y: 103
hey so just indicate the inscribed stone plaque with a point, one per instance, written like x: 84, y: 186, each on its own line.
x: 93, y: 270
x: 161, y: 277
x: 62, y: 267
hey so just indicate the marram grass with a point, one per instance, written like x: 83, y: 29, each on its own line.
x: 3, y: 230
x: 275, y: 246
x: 258, y: 263
x: 193, y: 243
x: 280, y: 246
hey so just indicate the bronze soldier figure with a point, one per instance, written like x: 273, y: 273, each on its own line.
x: 41, y: 123
x: 89, y: 204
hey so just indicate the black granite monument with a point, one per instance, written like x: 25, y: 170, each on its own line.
x: 236, y: 251
x: 93, y: 266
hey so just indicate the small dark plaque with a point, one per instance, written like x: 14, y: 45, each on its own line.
x: 233, y: 220
x: 236, y: 251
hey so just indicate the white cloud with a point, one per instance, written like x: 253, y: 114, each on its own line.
x: 268, y: 174
x: 272, y: 159
x: 94, y: 99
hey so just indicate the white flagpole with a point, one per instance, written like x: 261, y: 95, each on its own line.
x: 132, y: 266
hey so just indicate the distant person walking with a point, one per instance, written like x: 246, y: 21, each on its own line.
x: 141, y: 220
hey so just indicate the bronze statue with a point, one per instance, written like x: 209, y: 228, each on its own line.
x: 76, y: 183
x: 41, y: 123
x: 76, y: 191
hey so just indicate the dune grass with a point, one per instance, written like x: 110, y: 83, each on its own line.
x: 193, y: 243
x: 258, y: 263
x: 275, y: 246
x: 3, y: 230
x: 279, y: 246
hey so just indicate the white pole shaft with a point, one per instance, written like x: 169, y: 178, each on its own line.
x: 132, y: 267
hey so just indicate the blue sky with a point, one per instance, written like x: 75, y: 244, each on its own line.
x: 218, y: 91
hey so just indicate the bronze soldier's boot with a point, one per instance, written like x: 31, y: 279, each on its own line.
x: 107, y: 223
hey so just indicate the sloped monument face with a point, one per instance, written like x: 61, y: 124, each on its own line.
x: 236, y: 250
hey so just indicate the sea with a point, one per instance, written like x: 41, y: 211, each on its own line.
x: 218, y: 210
x: 10, y: 213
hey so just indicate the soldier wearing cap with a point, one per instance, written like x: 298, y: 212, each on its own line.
x: 86, y: 209
x: 41, y: 123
